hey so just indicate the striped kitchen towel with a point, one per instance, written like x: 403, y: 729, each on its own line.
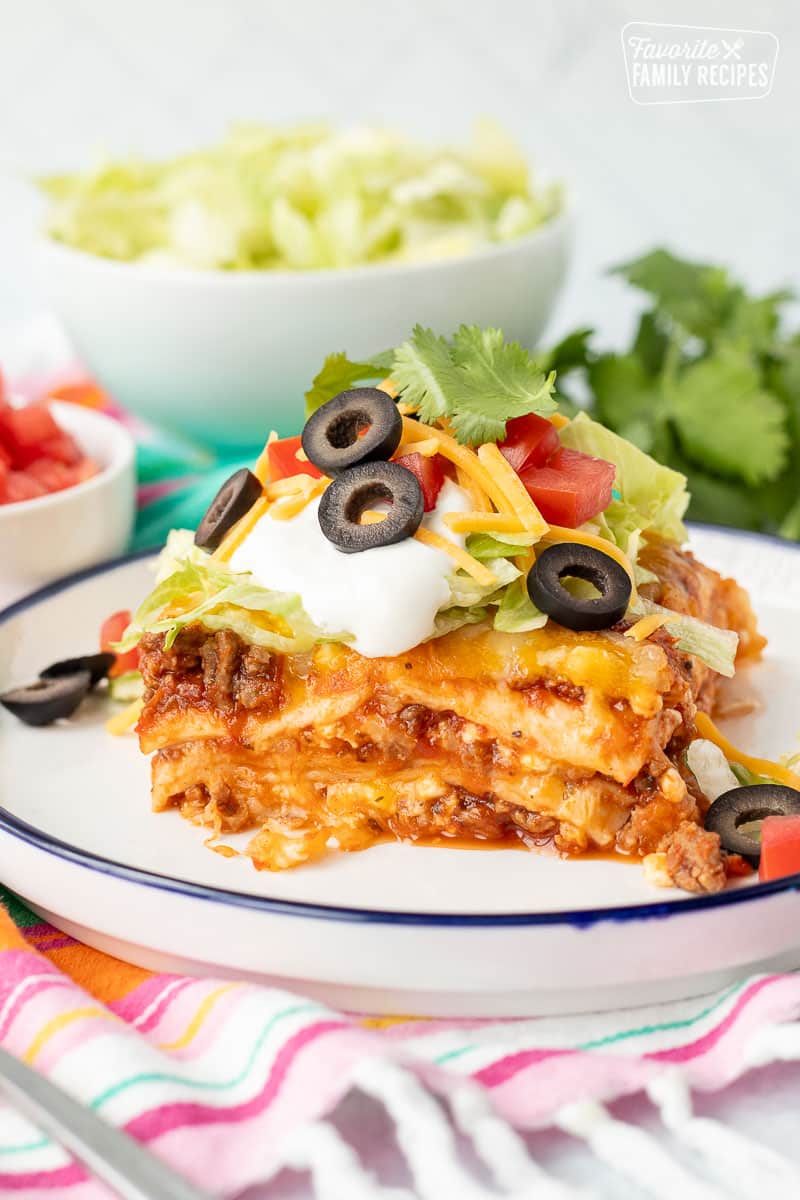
x: 231, y: 1082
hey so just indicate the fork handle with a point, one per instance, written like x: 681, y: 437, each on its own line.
x: 111, y: 1155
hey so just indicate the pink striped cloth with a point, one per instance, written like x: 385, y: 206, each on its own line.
x: 215, y: 1075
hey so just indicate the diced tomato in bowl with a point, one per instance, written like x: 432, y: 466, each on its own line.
x: 38, y: 457
x: 572, y: 488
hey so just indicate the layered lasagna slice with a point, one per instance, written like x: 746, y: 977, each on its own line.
x: 561, y: 741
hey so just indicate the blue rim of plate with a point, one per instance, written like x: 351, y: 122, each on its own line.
x: 576, y: 918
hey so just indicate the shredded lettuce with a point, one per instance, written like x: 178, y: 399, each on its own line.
x: 715, y: 647
x: 194, y: 588
x: 303, y: 198
x: 465, y: 592
x: 449, y: 619
x: 516, y: 612
x: 485, y: 545
x: 513, y: 610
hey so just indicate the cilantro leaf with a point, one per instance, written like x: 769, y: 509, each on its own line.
x: 571, y: 353
x: 338, y: 373
x: 693, y: 294
x: 650, y: 344
x: 424, y: 371
x: 726, y: 422
x: 478, y: 381
x: 627, y: 397
x: 498, y: 380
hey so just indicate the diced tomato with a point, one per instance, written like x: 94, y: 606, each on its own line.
x: 531, y: 441
x: 571, y: 489
x: 26, y: 427
x: 20, y: 486
x: 63, y: 448
x: 780, y: 847
x: 429, y: 472
x: 283, y: 460
x: 36, y: 455
x: 53, y: 476
x: 111, y: 631
x: 87, y: 468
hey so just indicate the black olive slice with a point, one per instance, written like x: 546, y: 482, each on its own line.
x: 744, y: 806
x: 47, y: 700
x: 571, y: 560
x: 357, y: 426
x: 98, y: 666
x: 235, y: 498
x: 360, y: 488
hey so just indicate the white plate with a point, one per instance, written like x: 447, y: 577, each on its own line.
x: 394, y: 928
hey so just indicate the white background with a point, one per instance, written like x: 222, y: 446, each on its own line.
x: 82, y: 77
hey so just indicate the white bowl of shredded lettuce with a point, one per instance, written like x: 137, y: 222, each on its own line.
x: 204, y: 291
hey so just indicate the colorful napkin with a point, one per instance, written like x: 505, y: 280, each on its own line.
x: 230, y: 1082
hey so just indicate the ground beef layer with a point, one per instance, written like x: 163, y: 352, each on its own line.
x: 558, y: 741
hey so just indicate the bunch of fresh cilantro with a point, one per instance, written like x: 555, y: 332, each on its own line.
x: 709, y: 386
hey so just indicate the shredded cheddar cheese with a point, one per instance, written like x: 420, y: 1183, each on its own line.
x: 261, y: 469
x: 462, y: 456
x: 290, y: 502
x: 371, y: 517
x: 482, y: 522
x: 290, y: 485
x: 479, y: 572
x: 759, y: 766
x: 513, y: 489
x: 427, y: 449
x: 241, y: 530
x: 300, y: 454
x: 389, y: 386
x: 558, y: 419
x: 647, y: 625
x: 480, y: 501
x: 121, y: 722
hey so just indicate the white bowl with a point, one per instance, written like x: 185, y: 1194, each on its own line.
x: 43, y: 539
x: 227, y: 355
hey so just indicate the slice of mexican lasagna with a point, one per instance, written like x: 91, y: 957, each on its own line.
x: 393, y: 629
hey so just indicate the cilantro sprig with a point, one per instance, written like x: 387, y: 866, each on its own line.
x: 475, y: 380
x: 710, y: 385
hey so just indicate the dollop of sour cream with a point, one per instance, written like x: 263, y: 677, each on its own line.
x: 387, y: 598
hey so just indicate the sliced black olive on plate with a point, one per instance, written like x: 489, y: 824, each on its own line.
x: 357, y: 426
x: 361, y: 488
x: 734, y: 815
x: 569, y: 560
x: 98, y: 666
x: 47, y: 700
x: 235, y: 498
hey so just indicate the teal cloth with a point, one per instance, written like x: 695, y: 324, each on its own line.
x: 201, y: 473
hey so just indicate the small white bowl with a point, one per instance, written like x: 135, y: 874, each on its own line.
x: 43, y: 539
x: 226, y: 356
